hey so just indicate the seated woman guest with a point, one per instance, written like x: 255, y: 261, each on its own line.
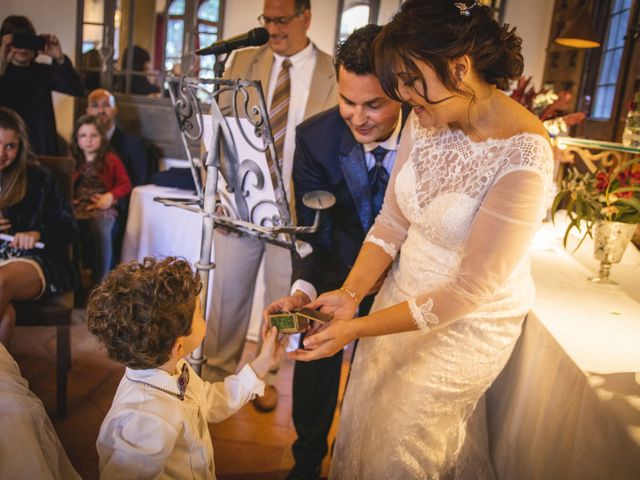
x: 100, y: 181
x: 33, y: 211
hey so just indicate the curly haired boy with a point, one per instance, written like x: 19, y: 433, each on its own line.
x: 148, y: 316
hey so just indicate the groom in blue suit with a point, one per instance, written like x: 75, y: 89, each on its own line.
x: 349, y: 151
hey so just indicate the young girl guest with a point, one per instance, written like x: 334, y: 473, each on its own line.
x: 33, y: 210
x: 100, y: 181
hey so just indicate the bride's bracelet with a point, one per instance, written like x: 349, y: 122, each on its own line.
x: 350, y: 294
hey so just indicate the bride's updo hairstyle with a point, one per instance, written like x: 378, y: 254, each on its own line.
x: 437, y: 31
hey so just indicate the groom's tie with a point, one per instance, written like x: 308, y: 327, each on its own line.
x: 378, y: 179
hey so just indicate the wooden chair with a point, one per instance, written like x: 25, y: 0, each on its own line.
x: 54, y: 311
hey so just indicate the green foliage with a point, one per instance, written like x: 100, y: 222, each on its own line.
x: 611, y: 194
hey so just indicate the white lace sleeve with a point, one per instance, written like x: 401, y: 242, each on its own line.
x: 498, y: 240
x: 390, y: 228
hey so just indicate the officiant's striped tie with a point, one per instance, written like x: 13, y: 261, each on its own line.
x: 279, y: 111
x: 278, y: 115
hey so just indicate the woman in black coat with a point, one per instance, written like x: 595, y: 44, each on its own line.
x: 36, y: 226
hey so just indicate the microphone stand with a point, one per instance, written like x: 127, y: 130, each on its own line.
x: 205, y: 265
x: 242, y: 176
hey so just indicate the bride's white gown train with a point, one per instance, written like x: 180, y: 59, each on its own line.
x: 462, y: 215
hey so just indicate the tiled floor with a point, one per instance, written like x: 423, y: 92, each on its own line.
x: 249, y: 445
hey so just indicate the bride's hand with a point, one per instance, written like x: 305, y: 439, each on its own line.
x: 331, y: 338
x: 336, y: 302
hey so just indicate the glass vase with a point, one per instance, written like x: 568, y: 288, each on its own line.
x: 610, y: 240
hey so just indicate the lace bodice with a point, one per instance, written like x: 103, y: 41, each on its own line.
x: 463, y: 213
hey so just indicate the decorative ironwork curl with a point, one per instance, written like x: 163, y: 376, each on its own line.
x: 272, y: 221
x: 255, y: 115
x: 187, y: 109
x: 248, y: 167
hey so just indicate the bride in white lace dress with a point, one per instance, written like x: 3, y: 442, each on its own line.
x: 463, y: 203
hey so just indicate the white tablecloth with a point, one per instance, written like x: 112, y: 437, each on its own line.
x: 154, y: 229
x: 567, y: 406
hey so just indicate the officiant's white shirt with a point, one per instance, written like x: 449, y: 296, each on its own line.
x: 148, y: 433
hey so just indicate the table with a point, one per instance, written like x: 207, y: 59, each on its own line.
x: 154, y: 229
x: 567, y: 405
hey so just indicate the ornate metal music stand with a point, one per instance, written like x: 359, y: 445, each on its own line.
x: 222, y: 158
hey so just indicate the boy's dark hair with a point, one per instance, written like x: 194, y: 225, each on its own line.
x: 354, y: 54
x: 140, y: 310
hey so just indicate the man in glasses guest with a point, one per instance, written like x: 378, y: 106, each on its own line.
x: 299, y: 81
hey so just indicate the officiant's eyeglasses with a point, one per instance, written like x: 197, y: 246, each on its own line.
x: 280, y: 21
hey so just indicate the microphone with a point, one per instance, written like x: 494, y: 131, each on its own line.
x: 253, y: 38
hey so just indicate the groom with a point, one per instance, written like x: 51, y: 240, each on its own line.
x: 349, y: 151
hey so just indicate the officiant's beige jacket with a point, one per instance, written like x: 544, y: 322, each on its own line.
x: 256, y: 63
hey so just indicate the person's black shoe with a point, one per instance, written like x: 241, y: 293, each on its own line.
x: 299, y: 473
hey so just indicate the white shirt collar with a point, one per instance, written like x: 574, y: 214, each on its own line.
x: 297, y: 58
x: 390, y: 143
x: 109, y: 133
x: 157, y: 377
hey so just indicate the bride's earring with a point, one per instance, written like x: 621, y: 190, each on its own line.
x: 460, y: 77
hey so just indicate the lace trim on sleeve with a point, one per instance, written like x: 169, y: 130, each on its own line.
x: 388, y: 248
x: 422, y: 315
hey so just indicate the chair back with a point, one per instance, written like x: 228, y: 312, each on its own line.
x: 54, y: 310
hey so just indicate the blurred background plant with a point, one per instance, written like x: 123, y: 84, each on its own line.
x: 550, y: 107
x: 610, y: 194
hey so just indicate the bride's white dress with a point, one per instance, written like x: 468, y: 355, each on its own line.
x: 461, y: 215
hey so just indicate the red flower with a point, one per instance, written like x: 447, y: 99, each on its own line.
x: 602, y: 181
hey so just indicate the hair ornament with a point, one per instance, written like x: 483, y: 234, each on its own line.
x: 465, y: 10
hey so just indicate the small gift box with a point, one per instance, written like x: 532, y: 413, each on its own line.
x: 297, y: 320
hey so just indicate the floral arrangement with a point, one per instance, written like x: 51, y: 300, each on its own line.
x: 548, y: 106
x: 610, y: 194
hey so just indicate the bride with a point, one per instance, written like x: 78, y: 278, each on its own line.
x: 464, y: 200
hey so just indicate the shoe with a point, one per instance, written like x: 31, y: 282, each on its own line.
x: 268, y: 402
x: 298, y: 473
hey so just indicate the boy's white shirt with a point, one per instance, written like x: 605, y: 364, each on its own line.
x: 152, y: 434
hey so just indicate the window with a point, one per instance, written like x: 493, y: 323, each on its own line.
x: 175, y: 35
x: 205, y: 31
x: 208, y: 25
x: 612, y: 50
x: 130, y: 45
x: 353, y: 14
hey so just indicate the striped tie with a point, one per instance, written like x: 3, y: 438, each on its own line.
x: 280, y: 109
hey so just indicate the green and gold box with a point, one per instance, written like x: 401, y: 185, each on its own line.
x: 288, y: 322
x: 298, y: 320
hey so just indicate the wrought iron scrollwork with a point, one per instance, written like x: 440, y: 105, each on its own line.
x: 246, y: 212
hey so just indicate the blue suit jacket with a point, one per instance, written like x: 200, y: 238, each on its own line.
x: 328, y: 157
x: 133, y: 153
